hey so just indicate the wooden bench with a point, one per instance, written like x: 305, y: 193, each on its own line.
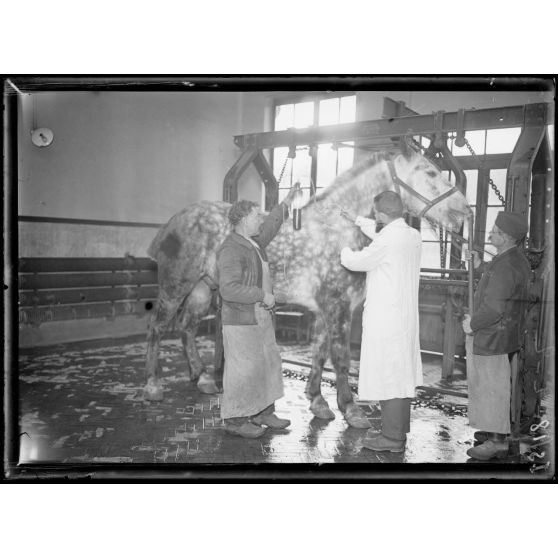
x: 55, y: 289
x: 58, y: 289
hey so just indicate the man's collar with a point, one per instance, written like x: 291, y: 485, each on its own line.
x: 242, y: 239
x: 507, y: 251
x: 395, y: 222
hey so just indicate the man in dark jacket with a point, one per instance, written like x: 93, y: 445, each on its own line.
x: 495, y: 331
x: 253, y: 378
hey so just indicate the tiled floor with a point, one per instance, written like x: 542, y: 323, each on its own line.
x: 82, y: 403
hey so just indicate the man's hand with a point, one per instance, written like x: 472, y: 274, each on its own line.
x: 476, y: 257
x: 467, y: 324
x: 292, y: 192
x: 269, y: 300
x: 365, y: 222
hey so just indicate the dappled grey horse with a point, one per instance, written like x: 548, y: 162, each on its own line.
x: 305, y: 265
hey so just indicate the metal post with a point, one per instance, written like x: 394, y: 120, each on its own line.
x: 450, y: 338
x: 523, y: 156
x: 471, y: 270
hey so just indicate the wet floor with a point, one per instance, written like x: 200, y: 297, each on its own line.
x: 82, y: 403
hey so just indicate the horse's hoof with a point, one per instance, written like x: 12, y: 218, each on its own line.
x: 206, y: 384
x: 321, y: 410
x: 153, y: 392
x: 355, y: 417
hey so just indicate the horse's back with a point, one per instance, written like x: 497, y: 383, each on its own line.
x: 192, y: 229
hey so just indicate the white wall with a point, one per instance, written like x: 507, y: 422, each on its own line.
x: 125, y: 156
x: 143, y: 156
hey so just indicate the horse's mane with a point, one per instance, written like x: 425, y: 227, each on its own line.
x: 354, y: 172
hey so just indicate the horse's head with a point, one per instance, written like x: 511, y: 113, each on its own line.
x: 426, y: 180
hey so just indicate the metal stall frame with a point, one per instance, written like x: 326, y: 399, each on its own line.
x: 398, y: 121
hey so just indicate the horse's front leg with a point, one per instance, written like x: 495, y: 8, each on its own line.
x: 340, y: 325
x: 320, y: 342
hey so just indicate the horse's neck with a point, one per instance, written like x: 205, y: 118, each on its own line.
x: 356, y: 195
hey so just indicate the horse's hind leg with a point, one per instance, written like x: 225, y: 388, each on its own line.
x: 167, y: 307
x: 318, y: 405
x: 340, y: 315
x: 196, y: 306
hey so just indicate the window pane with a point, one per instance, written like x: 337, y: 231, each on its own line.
x: 345, y: 157
x: 502, y: 141
x: 327, y: 163
x: 499, y: 178
x: 329, y: 112
x: 477, y: 140
x: 304, y: 114
x: 348, y: 109
x: 472, y: 180
x: 430, y: 256
x: 427, y: 231
x: 284, y: 117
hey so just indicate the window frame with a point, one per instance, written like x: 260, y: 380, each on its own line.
x: 315, y: 98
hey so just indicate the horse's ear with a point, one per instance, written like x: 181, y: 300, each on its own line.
x: 405, y: 148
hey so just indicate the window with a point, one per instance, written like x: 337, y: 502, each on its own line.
x: 318, y: 166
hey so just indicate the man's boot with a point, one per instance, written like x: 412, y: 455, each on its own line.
x: 496, y: 446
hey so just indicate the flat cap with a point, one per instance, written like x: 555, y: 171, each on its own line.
x: 514, y: 224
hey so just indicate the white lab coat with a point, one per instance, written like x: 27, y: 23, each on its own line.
x: 390, y: 363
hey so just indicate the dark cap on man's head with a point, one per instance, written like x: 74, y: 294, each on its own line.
x: 514, y: 224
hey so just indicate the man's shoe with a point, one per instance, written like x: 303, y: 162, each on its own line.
x: 381, y: 443
x: 245, y: 430
x: 271, y: 420
x: 481, y: 436
x: 489, y: 450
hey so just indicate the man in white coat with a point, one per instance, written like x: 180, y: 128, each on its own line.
x: 390, y: 363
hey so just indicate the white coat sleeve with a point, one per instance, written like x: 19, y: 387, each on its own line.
x: 364, y: 260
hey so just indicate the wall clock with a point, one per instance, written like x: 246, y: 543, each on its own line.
x: 42, y: 137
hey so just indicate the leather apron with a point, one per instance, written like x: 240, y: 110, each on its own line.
x: 253, y: 377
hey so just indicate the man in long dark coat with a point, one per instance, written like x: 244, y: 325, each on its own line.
x: 495, y: 331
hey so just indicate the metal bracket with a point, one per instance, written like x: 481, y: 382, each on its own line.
x: 519, y: 170
x: 460, y: 131
x: 230, y: 183
x: 439, y: 139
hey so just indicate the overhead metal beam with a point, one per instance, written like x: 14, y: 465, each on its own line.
x: 524, y: 116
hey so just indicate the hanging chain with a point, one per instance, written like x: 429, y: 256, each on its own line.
x: 481, y: 166
x: 283, y: 170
